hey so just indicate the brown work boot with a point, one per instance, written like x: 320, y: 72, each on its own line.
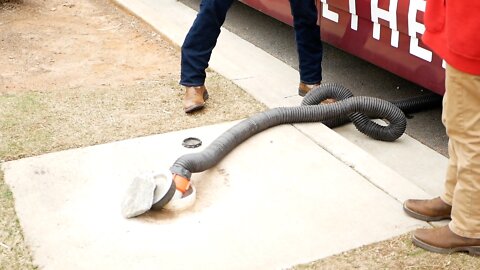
x: 443, y: 240
x: 428, y: 210
x: 195, y: 97
x: 304, y: 88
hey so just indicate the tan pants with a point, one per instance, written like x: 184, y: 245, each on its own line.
x: 461, y: 117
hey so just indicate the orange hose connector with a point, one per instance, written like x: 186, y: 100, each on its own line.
x: 181, y: 183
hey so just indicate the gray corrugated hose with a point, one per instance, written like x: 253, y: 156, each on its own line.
x: 338, y: 92
x: 355, y: 107
x: 177, y: 194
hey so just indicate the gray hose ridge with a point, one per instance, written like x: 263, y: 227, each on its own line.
x: 355, y: 107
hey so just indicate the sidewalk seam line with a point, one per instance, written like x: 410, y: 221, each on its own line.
x: 351, y: 166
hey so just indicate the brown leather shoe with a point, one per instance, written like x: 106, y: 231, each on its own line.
x: 195, y: 97
x: 304, y: 88
x: 428, y: 210
x: 443, y: 240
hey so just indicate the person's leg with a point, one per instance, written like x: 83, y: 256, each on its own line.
x: 451, y: 175
x: 440, y: 208
x: 307, y: 36
x: 461, y: 116
x: 197, y: 49
x: 200, y: 41
x: 448, y: 109
x: 463, y: 129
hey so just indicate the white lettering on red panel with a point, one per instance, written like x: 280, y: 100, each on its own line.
x: 353, y: 12
x: 333, y: 16
x: 415, y: 27
x: 390, y: 15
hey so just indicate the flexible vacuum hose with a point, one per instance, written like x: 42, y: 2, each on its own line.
x: 339, y: 92
x: 356, y: 108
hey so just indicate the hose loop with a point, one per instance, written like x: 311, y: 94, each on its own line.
x: 347, y: 107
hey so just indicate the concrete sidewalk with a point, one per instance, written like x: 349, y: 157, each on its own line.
x: 292, y: 194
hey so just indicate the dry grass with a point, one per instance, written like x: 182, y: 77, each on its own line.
x: 396, y: 253
x: 14, y: 253
x: 39, y: 122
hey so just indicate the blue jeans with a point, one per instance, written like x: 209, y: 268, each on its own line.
x: 202, y: 38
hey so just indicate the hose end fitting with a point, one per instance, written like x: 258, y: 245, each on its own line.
x: 185, y: 194
x: 182, y: 184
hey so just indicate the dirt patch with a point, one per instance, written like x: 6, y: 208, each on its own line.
x: 60, y: 45
x: 77, y: 74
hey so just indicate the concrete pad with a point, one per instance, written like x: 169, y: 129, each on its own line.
x: 277, y: 200
x: 365, y: 164
x: 408, y: 157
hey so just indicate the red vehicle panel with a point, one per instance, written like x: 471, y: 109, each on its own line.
x: 383, y: 32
